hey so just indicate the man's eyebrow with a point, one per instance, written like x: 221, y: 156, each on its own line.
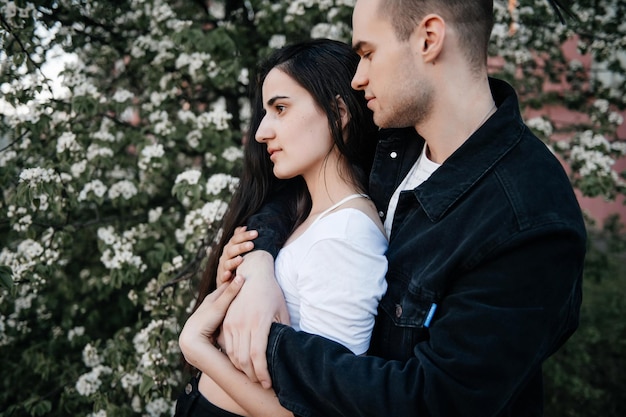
x: 357, y: 47
x: 272, y: 100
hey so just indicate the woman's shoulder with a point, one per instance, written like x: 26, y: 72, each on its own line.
x: 356, y: 213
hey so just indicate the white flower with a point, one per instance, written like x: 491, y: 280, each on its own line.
x: 243, y: 77
x: 210, y: 159
x: 156, y: 408
x: 602, y: 105
x: 193, y: 138
x: 541, y: 125
x: 76, y: 331
x: 99, y: 413
x: 136, y: 404
x: 34, y: 176
x: 107, y: 235
x: 619, y: 147
x: 277, y: 41
x: 616, y: 119
x: 91, y: 358
x: 133, y: 297
x: 336, y: 31
x: 149, y: 153
x: 124, y: 188
x: 130, y: 380
x: 218, y: 182
x: 9, y: 10
x: 190, y: 176
x: 23, y: 224
x: 30, y: 249
x: 122, y: 95
x: 78, y: 168
x: 94, y: 151
x: 213, y: 211
x: 217, y: 117
x: 194, y: 62
x: 90, y: 382
x: 177, y: 262
x: 67, y: 141
x: 161, y: 123
x: 96, y: 187
x: 232, y: 153
x: 7, y: 156
x: 186, y: 116
x: 155, y: 214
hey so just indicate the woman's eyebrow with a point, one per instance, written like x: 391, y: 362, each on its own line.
x: 272, y: 100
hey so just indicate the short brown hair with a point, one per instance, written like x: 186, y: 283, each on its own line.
x: 473, y: 19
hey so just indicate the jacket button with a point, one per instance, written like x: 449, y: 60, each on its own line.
x: 188, y: 389
x: 381, y: 214
x: 398, y: 310
x: 393, y: 155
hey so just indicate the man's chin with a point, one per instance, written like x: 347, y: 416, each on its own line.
x: 389, y: 124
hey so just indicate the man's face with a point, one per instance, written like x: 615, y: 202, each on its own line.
x: 389, y: 70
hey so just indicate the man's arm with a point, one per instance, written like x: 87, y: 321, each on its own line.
x: 261, y: 302
x: 490, y: 334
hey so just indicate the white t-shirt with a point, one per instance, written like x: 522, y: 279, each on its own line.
x: 421, y: 170
x: 333, y: 277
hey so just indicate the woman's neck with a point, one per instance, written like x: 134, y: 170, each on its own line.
x: 329, y: 187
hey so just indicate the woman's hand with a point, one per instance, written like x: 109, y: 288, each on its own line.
x: 200, y: 330
x: 231, y: 258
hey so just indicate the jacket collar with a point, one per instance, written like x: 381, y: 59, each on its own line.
x: 476, y: 157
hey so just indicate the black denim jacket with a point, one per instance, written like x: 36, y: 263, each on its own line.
x: 485, y: 268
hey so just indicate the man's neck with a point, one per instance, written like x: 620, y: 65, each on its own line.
x: 457, y: 113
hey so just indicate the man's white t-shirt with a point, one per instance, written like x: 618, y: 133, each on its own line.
x: 333, y: 277
x: 421, y: 170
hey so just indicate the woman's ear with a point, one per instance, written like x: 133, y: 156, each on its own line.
x: 343, y: 111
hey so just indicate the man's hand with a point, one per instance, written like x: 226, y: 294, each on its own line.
x: 248, y: 320
x: 230, y: 259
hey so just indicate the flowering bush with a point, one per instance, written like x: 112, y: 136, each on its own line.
x: 114, y: 180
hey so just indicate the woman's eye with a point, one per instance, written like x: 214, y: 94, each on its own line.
x: 280, y: 108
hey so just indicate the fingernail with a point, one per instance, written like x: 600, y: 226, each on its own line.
x: 238, y: 280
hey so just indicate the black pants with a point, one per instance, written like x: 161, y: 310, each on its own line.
x: 191, y: 403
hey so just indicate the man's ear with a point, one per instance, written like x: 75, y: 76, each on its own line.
x: 343, y: 111
x: 431, y: 34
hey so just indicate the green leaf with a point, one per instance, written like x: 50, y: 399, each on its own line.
x: 146, y: 385
x: 6, y: 277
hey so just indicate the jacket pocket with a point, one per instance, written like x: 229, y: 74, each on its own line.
x: 405, y: 316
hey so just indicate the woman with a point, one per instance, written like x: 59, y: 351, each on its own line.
x: 314, y: 143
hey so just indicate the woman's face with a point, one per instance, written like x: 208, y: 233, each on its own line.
x: 294, y: 128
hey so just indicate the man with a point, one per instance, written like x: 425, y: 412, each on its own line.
x: 486, y: 239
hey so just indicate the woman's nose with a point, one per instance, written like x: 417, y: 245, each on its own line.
x: 264, y: 132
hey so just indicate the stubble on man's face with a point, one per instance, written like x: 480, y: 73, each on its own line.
x: 407, y: 102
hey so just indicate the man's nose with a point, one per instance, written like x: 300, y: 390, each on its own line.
x: 359, y: 81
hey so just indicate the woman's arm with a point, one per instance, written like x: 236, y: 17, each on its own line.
x: 197, y: 343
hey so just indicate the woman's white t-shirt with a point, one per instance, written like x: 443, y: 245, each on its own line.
x: 333, y: 277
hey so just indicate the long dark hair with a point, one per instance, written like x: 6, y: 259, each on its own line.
x: 325, y: 69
